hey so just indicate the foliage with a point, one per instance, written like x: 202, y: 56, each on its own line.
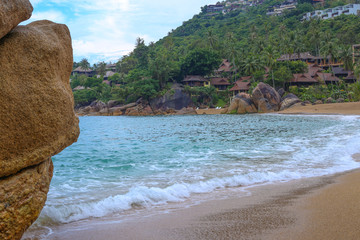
x: 200, y: 62
x: 84, y: 97
x: 248, y: 38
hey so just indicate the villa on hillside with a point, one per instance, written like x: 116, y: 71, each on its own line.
x: 241, y: 86
x: 310, y: 59
x: 315, y: 75
x: 196, y: 81
x: 278, y: 10
x: 225, y: 67
x: 111, y: 67
x: 80, y: 71
x: 350, y: 9
x: 220, y: 84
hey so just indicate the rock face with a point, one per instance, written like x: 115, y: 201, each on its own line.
x: 20, y: 198
x: 175, y: 98
x: 265, y: 98
x: 289, y: 101
x: 37, y: 119
x: 242, y: 104
x: 13, y: 12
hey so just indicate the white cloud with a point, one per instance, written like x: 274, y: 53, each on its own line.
x: 52, y: 15
x: 108, y: 28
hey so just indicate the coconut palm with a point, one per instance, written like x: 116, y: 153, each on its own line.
x: 250, y: 65
x: 212, y: 40
x: 346, y: 56
x: 270, y: 57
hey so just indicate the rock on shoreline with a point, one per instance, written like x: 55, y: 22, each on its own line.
x: 37, y: 118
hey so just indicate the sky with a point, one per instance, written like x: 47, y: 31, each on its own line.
x: 105, y: 30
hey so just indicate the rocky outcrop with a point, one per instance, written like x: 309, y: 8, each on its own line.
x: 37, y: 119
x: 289, y: 101
x: 21, y: 199
x: 265, y: 98
x: 175, y: 99
x: 242, y: 104
x: 13, y: 12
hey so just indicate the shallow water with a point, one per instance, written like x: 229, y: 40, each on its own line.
x: 124, y: 163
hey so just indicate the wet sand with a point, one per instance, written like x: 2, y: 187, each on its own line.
x: 317, y: 208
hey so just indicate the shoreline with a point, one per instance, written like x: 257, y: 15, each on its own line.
x: 282, y: 210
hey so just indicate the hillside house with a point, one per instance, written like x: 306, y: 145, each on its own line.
x: 196, y: 81
x: 80, y: 71
x: 327, y: 78
x: 220, y: 84
x: 225, y: 67
x: 215, y: 8
x: 349, y: 9
x: 111, y: 67
x: 302, y: 79
x: 310, y: 59
x: 278, y: 10
x: 241, y: 86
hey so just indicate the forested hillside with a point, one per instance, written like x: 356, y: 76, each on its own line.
x: 247, y: 37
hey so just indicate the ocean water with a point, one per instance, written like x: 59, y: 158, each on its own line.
x: 125, y: 163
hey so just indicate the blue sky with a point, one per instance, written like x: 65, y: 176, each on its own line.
x: 104, y: 30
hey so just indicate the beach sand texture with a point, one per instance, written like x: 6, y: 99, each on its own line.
x: 352, y: 108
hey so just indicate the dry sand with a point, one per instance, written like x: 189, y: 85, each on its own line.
x: 209, y: 111
x: 352, y: 108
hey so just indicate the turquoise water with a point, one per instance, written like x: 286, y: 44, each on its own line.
x: 123, y: 163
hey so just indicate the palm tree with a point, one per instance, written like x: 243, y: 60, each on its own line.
x: 270, y: 61
x: 212, y: 39
x: 84, y: 64
x: 346, y: 56
x: 250, y: 65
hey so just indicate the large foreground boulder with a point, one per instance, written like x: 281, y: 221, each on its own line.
x: 266, y: 98
x: 37, y: 119
x: 21, y: 196
x: 13, y: 12
x: 242, y: 104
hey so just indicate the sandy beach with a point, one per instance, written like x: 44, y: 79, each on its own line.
x: 316, y: 208
x: 352, y: 108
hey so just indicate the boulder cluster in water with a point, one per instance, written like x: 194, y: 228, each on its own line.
x: 37, y: 119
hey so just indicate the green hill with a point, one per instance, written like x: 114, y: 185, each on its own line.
x: 247, y: 37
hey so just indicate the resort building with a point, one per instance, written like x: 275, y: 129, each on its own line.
x: 350, y: 9
x: 80, y: 71
x: 241, y: 86
x: 196, y: 81
x: 225, y: 67
x: 302, y: 79
x: 278, y: 10
x: 310, y: 59
x: 220, y: 84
